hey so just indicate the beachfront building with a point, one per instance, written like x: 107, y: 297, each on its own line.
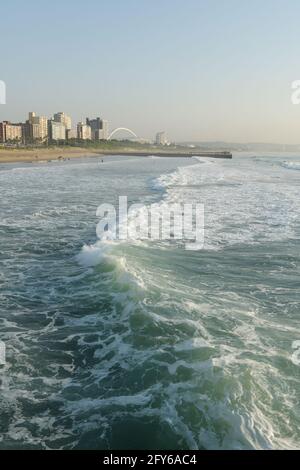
x: 10, y: 132
x: 105, y: 130
x: 99, y: 128
x: 38, y: 127
x: 96, y: 126
x: 84, y: 131
x: 64, y: 119
x: 2, y: 132
x: 161, y: 138
x: 57, y: 130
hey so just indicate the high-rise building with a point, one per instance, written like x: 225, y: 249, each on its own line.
x: 38, y: 127
x: 63, y: 118
x: 84, y: 131
x: 161, y: 138
x: 31, y: 115
x: 105, y: 129
x: 14, y: 132
x: 57, y: 130
x: 10, y: 132
x: 96, y: 126
x: 99, y: 128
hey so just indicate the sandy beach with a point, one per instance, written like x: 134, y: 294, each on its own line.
x: 44, y: 154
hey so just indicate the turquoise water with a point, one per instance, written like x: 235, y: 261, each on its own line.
x: 147, y: 345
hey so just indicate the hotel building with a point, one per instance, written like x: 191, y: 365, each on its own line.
x: 10, y: 132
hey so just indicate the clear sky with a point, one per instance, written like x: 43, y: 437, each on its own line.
x: 199, y: 69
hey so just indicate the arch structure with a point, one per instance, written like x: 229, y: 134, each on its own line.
x: 122, y: 129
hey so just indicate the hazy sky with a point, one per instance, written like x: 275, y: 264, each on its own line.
x: 199, y: 69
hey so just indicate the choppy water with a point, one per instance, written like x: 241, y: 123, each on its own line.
x: 147, y: 345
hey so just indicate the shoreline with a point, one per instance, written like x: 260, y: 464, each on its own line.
x: 42, y: 154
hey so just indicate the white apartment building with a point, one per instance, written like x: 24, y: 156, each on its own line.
x: 57, y: 130
x: 39, y: 126
x: 10, y: 132
x: 161, y: 138
x: 105, y: 129
x: 64, y: 119
x: 84, y: 132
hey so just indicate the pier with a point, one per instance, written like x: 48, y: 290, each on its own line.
x: 173, y: 154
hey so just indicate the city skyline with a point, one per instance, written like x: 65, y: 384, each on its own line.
x: 176, y: 67
x: 59, y: 127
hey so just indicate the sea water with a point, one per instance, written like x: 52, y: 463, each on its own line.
x: 147, y: 345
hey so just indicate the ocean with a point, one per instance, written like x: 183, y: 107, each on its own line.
x: 144, y: 344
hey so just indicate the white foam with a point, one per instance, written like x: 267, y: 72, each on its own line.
x: 291, y: 165
x: 249, y: 202
x: 91, y: 255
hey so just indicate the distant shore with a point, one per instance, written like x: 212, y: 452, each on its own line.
x: 34, y: 155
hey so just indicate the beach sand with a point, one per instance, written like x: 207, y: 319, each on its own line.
x: 44, y: 154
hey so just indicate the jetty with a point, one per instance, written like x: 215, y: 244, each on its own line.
x: 153, y: 153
